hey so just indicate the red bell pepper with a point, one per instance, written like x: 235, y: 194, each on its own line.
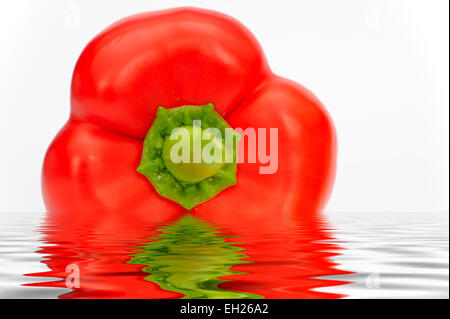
x: 174, y: 58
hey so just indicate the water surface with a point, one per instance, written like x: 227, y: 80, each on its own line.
x: 344, y: 255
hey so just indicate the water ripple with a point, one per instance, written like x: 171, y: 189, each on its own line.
x: 343, y: 255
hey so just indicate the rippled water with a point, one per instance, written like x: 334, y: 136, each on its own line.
x: 343, y: 255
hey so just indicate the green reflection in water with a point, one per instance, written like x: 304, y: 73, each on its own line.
x: 188, y: 257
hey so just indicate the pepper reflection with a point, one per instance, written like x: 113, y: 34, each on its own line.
x: 189, y: 258
x: 100, y: 245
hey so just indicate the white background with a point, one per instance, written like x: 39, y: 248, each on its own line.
x: 380, y: 67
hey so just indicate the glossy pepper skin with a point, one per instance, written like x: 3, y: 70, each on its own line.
x: 178, y: 57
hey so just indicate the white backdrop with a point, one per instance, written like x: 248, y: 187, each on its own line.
x: 380, y: 67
